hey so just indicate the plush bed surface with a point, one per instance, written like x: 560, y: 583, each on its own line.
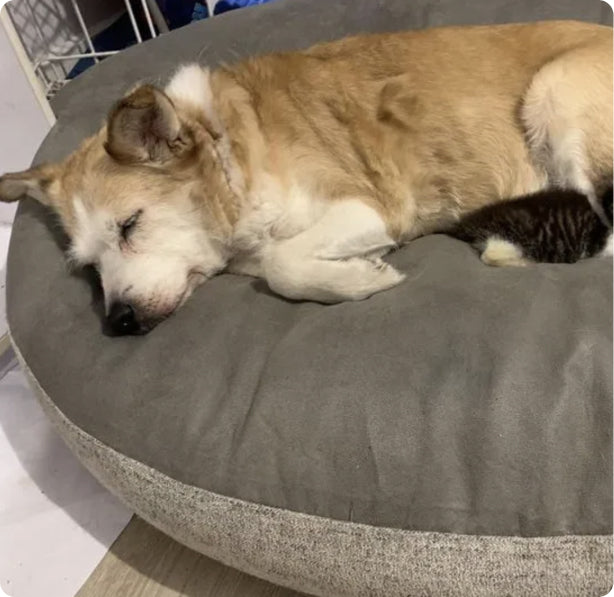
x: 467, y: 400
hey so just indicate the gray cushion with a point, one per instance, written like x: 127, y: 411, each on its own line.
x: 468, y: 400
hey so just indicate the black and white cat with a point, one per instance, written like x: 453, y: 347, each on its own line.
x: 552, y: 226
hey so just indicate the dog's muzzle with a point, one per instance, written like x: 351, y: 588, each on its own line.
x: 122, y: 320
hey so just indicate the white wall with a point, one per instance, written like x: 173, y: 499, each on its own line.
x: 22, y: 121
x: 23, y: 125
x: 56, y: 521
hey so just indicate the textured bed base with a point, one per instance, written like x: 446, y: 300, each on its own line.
x: 332, y: 558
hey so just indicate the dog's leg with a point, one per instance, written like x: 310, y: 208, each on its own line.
x: 567, y: 111
x: 246, y: 265
x: 337, y: 259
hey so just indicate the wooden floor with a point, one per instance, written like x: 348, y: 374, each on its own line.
x: 143, y: 562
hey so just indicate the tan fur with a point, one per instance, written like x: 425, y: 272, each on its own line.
x: 421, y: 126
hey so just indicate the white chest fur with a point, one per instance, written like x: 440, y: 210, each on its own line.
x: 305, y: 246
x: 271, y: 214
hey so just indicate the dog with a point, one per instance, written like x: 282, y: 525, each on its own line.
x: 305, y: 168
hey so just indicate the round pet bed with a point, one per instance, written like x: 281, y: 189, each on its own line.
x: 451, y: 436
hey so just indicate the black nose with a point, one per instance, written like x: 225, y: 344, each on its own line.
x: 122, y: 319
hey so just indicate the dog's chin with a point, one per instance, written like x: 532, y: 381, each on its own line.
x: 149, y: 321
x: 195, y: 279
x: 146, y: 325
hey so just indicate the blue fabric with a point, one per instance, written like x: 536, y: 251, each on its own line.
x: 226, y: 5
x: 177, y: 12
x: 200, y: 11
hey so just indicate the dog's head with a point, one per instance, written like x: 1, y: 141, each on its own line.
x: 140, y: 201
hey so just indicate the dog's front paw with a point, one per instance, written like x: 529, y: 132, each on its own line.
x: 370, y: 276
x: 379, y: 263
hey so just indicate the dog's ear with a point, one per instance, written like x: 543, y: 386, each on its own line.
x: 36, y: 183
x: 144, y: 127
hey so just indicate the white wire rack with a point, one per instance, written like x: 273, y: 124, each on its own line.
x: 36, y: 24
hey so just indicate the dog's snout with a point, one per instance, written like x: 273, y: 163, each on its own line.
x: 122, y: 319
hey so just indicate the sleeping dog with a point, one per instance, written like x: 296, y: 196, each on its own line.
x: 305, y: 168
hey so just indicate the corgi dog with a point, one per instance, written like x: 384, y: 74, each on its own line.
x: 305, y: 168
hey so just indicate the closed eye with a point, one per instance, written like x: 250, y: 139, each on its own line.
x: 127, y: 226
